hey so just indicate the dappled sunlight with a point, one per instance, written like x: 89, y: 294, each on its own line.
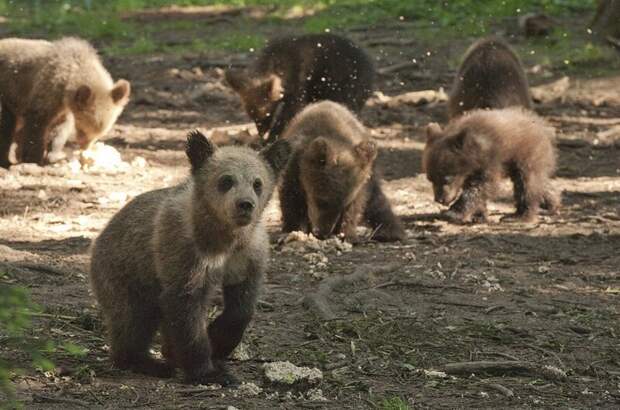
x: 477, y: 315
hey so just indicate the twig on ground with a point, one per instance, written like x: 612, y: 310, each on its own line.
x: 448, y: 302
x: 53, y: 316
x: 20, y: 266
x: 613, y: 41
x: 502, y: 389
x: 506, y: 355
x: 493, y: 309
x: 198, y: 390
x: 414, y: 284
x: 389, y: 42
x: 549, y: 352
x: 505, y: 367
x: 95, y: 397
x: 52, y: 399
x: 317, y: 301
x: 397, y: 67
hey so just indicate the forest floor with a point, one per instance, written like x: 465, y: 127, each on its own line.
x: 543, y: 297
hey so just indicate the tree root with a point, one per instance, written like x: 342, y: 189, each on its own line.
x: 508, y: 367
x: 317, y: 301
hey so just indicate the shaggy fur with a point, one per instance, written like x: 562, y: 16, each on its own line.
x: 42, y: 82
x: 475, y: 150
x: 330, y: 182
x: 491, y: 76
x: 158, y: 261
x: 293, y: 72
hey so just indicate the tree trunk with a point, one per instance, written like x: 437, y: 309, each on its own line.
x: 606, y: 22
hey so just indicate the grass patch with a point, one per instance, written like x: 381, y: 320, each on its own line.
x: 571, y: 53
x: 394, y: 403
x: 434, y: 23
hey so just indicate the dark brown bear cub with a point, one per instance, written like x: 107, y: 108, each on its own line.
x: 475, y: 150
x: 330, y: 181
x: 293, y: 72
x: 160, y: 258
x: 491, y: 76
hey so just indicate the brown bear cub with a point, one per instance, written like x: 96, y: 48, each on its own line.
x: 491, y: 76
x: 475, y: 150
x: 330, y: 181
x: 158, y: 261
x: 42, y: 82
x: 293, y: 72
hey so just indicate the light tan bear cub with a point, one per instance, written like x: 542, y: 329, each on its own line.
x: 158, y: 261
x: 43, y: 84
x: 466, y: 160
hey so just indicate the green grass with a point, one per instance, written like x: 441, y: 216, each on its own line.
x: 103, y: 24
x: 394, y: 403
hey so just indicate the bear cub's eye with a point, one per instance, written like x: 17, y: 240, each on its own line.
x: 225, y: 183
x: 449, y: 179
x: 258, y: 186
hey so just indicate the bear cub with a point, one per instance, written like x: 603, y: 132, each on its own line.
x: 330, y: 182
x: 292, y: 72
x: 475, y: 150
x: 491, y: 76
x: 158, y: 261
x: 43, y: 84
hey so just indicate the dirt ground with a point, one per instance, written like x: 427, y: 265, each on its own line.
x: 546, y: 295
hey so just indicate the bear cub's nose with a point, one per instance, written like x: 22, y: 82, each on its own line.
x: 245, y: 205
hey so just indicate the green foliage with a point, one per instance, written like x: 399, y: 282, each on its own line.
x: 16, y: 312
x: 102, y: 22
x: 15, y: 319
x: 394, y: 403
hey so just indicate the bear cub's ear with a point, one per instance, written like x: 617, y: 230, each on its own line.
x: 366, y: 151
x: 238, y: 80
x: 121, y: 91
x: 198, y: 149
x: 277, y: 155
x: 433, y: 132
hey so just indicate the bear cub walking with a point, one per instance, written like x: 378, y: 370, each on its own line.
x: 292, y: 72
x: 330, y: 181
x: 475, y: 150
x: 159, y: 259
x: 45, y: 84
x: 491, y: 76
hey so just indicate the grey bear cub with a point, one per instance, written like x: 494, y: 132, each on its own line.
x: 158, y: 261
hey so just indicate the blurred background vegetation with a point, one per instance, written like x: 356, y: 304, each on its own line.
x: 123, y: 27
x: 110, y: 24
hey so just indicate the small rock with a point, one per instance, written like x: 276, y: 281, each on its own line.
x: 315, y: 395
x: 241, y: 353
x: 249, y: 390
x: 298, y: 241
x: 27, y: 169
x: 435, y: 374
x: 288, y: 373
x: 139, y: 162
